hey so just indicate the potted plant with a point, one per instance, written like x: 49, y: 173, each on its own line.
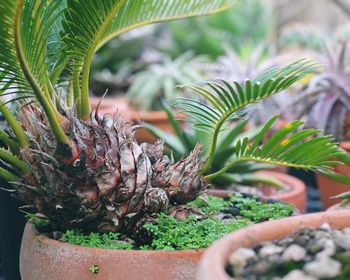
x: 325, y: 104
x: 273, y: 184
x: 301, y: 247
x: 85, y: 173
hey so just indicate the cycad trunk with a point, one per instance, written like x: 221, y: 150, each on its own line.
x: 113, y: 184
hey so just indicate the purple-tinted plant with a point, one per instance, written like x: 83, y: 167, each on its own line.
x: 325, y: 100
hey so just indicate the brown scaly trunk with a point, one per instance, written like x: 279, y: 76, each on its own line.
x: 114, y: 184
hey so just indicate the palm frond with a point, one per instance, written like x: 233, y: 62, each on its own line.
x: 287, y: 147
x: 137, y: 13
x: 9, y: 64
x: 91, y: 23
x: 25, y: 30
x: 229, y: 100
x: 25, y: 27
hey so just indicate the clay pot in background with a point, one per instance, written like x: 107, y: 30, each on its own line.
x: 112, y: 105
x: 120, y: 105
x: 215, y: 258
x: 328, y: 187
x: 157, y: 118
x: 295, y: 196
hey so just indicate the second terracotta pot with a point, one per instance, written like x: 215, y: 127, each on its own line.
x: 295, y: 196
x: 120, y: 104
x: 215, y: 258
x: 329, y: 188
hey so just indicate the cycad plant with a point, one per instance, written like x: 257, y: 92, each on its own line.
x: 185, y: 138
x: 84, y: 172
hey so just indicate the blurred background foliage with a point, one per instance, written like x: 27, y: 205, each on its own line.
x: 237, y: 44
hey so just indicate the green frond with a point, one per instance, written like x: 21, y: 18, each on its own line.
x: 229, y: 100
x: 11, y: 120
x: 9, y: 158
x: 287, y: 147
x: 25, y: 27
x: 91, y: 23
x: 138, y: 13
x: 13, y: 146
x: 8, y: 176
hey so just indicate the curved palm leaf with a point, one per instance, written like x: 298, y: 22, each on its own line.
x: 228, y: 100
x: 25, y: 27
x: 91, y: 23
x: 287, y: 147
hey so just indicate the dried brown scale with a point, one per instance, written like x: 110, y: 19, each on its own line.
x: 113, y: 183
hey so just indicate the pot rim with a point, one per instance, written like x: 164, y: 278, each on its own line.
x: 217, y: 255
x: 297, y: 187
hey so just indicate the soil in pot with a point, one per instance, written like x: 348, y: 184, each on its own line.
x: 168, y: 237
x: 322, y: 253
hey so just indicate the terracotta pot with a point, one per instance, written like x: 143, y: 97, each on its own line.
x: 43, y: 258
x: 111, y: 106
x: 120, y: 104
x: 329, y: 188
x: 157, y: 118
x: 296, y: 195
x: 215, y: 258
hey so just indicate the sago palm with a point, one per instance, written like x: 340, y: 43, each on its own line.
x: 83, y: 172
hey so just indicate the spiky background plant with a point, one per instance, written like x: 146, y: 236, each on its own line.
x: 325, y: 100
x: 82, y: 172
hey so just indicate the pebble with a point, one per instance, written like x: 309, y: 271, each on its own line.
x: 261, y: 267
x: 241, y: 257
x: 323, y: 268
x: 302, y: 240
x: 324, y: 245
x: 329, y: 248
x: 294, y: 253
x: 298, y: 275
x: 342, y: 239
x: 326, y: 226
x: 315, y: 249
x: 270, y: 249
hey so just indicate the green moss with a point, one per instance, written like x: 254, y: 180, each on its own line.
x: 257, y: 212
x: 209, y: 204
x: 105, y: 241
x: 172, y: 234
x: 41, y: 223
